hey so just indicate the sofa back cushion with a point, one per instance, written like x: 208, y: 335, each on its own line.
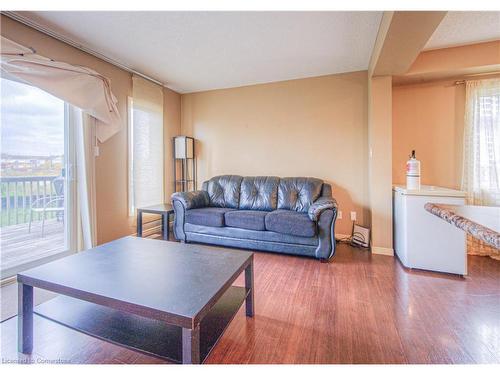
x: 224, y: 191
x: 259, y: 193
x: 298, y: 193
x: 326, y: 190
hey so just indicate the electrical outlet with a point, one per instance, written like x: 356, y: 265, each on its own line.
x: 353, y: 215
x: 339, y: 215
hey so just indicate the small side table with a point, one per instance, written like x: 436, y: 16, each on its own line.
x: 164, y: 210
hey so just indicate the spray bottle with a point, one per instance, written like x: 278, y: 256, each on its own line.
x: 413, y: 173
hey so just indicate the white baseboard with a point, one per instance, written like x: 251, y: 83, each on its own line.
x: 375, y: 249
x: 382, y: 251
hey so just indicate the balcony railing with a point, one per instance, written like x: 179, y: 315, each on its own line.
x: 18, y: 195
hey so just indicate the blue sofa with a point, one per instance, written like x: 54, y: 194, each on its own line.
x: 294, y: 215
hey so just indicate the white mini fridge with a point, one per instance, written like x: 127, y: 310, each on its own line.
x: 423, y: 240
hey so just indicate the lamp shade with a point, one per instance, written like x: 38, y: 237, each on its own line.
x: 184, y: 147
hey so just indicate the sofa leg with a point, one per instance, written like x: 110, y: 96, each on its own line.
x: 327, y: 260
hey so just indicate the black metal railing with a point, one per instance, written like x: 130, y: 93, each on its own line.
x: 18, y: 195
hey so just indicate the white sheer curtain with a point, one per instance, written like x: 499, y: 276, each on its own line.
x: 145, y: 145
x: 84, y: 128
x: 481, y: 167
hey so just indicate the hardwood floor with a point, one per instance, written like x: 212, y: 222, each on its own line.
x: 359, y: 308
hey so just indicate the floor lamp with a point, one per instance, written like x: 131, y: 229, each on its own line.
x: 184, y: 163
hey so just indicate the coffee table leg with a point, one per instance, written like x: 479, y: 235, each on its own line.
x: 139, y: 223
x: 249, y: 302
x: 25, y: 318
x: 191, y: 345
x: 165, y: 226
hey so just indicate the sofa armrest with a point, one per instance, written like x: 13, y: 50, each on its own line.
x: 192, y: 199
x: 321, y: 204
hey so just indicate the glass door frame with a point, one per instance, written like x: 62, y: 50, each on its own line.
x: 70, y: 187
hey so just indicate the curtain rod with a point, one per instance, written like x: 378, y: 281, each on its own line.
x: 44, y: 30
x: 475, y: 76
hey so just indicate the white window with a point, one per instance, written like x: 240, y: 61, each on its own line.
x: 145, y: 145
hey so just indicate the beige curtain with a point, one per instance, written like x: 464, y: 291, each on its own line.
x: 77, y: 85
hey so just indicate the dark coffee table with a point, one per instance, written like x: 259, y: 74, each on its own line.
x: 167, y: 299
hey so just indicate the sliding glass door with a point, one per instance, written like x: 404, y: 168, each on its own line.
x: 37, y: 207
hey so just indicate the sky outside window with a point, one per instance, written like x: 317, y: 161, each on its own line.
x: 32, y: 121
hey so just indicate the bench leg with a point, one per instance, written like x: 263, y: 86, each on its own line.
x: 43, y: 223
x: 31, y: 218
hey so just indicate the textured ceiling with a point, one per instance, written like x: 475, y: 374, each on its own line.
x: 196, y: 51
x: 460, y: 28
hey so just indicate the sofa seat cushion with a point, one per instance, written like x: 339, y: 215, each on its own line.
x: 208, y: 216
x: 290, y: 222
x: 246, y: 219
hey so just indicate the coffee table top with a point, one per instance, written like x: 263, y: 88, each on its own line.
x: 174, y: 282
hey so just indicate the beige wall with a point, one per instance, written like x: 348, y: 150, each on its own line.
x: 429, y: 118
x: 457, y: 58
x: 172, y: 128
x: 380, y: 162
x: 468, y: 61
x: 307, y: 127
x: 111, y: 165
x: 400, y: 38
x: 428, y: 110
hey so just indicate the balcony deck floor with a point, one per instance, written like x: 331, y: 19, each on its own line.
x: 18, y: 246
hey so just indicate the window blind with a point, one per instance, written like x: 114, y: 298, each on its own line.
x: 145, y: 144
